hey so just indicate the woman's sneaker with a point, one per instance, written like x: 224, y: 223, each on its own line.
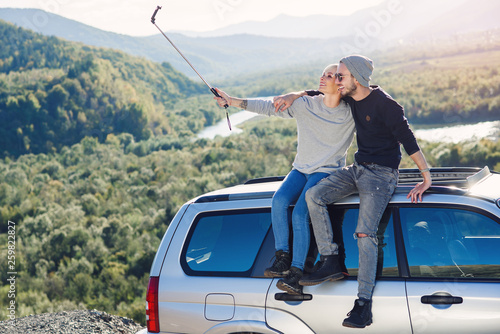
x: 281, y: 265
x: 290, y: 283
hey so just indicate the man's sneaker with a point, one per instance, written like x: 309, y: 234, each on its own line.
x: 361, y: 315
x: 328, y: 269
x: 290, y: 283
x: 281, y: 265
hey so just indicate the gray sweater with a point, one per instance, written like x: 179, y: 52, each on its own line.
x: 323, y: 134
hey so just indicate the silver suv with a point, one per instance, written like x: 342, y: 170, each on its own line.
x: 438, y: 266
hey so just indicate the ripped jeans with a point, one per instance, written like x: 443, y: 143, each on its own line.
x: 375, y: 185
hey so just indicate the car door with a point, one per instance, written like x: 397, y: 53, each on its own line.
x: 454, y: 267
x: 326, y: 305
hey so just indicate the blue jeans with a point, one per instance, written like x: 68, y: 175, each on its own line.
x: 375, y: 185
x: 293, y: 189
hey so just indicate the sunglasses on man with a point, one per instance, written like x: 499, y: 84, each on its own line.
x: 340, y: 77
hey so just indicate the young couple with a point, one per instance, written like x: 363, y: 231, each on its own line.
x: 326, y: 120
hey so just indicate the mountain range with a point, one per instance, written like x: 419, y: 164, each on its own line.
x: 388, y: 20
x: 283, y: 41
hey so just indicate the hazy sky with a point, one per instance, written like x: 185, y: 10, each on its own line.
x: 132, y: 17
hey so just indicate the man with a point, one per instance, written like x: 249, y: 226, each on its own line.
x: 380, y: 128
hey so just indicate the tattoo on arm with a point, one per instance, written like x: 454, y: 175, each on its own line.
x: 243, y: 104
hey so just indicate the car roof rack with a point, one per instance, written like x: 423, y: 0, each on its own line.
x: 445, y: 180
x: 461, y: 177
x: 444, y: 176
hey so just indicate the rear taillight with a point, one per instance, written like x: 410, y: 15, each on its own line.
x: 152, y: 316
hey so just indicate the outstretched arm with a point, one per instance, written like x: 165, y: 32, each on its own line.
x: 416, y: 193
x: 256, y: 105
x: 231, y: 101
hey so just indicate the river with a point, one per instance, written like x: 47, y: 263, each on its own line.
x: 461, y: 133
x: 221, y: 128
x: 446, y: 134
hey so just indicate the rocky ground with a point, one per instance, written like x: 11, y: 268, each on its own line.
x: 70, y: 322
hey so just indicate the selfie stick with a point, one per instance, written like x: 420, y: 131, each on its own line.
x: 187, y: 61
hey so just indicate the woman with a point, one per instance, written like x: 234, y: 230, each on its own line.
x: 325, y: 130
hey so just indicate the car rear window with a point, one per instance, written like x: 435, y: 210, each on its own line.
x: 225, y: 243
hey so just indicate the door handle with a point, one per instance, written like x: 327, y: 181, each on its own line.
x: 292, y: 298
x: 441, y: 299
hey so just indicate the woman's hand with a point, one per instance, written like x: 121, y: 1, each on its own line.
x: 224, y: 99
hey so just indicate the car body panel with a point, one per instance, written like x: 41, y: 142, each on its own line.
x: 331, y: 301
x: 243, y: 326
x: 478, y: 313
x: 198, y: 303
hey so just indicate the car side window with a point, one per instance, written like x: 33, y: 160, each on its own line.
x: 451, y: 243
x: 225, y: 243
x: 344, y: 220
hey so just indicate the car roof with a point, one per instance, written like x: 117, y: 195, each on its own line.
x: 450, y: 180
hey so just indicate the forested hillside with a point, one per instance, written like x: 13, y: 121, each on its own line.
x: 54, y: 93
x: 89, y: 219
